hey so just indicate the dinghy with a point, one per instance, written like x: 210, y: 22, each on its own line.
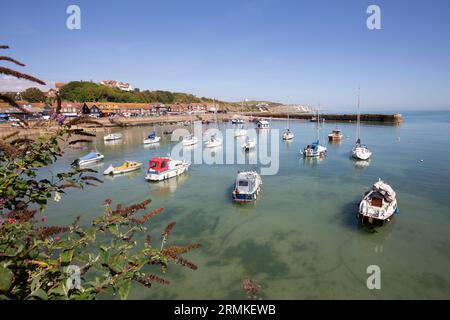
x: 247, y: 186
x: 249, y: 144
x: 128, y: 166
x: 88, y: 159
x: 112, y: 136
x: 152, y: 138
x: 160, y: 169
x: 288, y: 135
x: 213, y: 142
x: 378, y: 205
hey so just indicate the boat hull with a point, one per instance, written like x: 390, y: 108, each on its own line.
x: 112, y: 137
x: 90, y: 161
x: 152, y: 141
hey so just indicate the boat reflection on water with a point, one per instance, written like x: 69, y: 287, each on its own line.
x: 130, y: 175
x: 361, y: 164
x: 312, y: 161
x: 376, y: 237
x: 152, y: 145
x: 166, y: 187
x: 113, y: 142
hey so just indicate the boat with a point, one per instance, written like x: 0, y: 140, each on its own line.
x: 359, y: 150
x: 378, y: 205
x: 91, y: 157
x: 335, y: 135
x: 113, y: 136
x: 213, y: 142
x: 263, y: 124
x: 237, y: 121
x: 287, y: 134
x: 249, y: 144
x: 152, y: 138
x: 160, y: 169
x: 167, y: 131
x: 247, y: 186
x: 315, y: 149
x: 240, y: 132
x: 189, y: 140
x: 127, y: 166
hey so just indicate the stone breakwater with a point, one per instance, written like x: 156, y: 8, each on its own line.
x: 386, y: 118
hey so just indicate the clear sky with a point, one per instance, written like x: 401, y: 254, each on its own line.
x: 289, y: 51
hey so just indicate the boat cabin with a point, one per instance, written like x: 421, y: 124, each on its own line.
x: 158, y: 164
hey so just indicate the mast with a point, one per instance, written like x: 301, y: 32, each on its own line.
x: 358, y: 120
x: 318, y: 123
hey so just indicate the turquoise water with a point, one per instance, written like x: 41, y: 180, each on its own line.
x: 301, y: 239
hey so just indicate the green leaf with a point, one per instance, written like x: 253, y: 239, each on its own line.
x: 124, y: 289
x: 41, y: 294
x: 6, y: 279
x: 66, y: 257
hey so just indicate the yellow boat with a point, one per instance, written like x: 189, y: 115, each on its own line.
x: 128, y: 166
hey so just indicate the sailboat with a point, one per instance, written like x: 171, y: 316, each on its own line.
x: 287, y: 134
x: 315, y: 150
x: 360, y: 151
x: 214, y: 141
x: 240, y: 131
x: 190, y: 139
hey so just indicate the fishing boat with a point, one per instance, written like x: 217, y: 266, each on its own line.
x: 91, y: 157
x: 152, y: 138
x: 213, y: 142
x: 359, y: 150
x: 160, y: 169
x: 335, y: 135
x: 263, y: 124
x: 113, y: 136
x: 378, y: 205
x: 315, y: 149
x: 247, y: 186
x: 127, y: 166
x: 240, y: 132
x: 189, y: 140
x: 249, y: 144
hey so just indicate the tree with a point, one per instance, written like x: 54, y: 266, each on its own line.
x: 33, y: 95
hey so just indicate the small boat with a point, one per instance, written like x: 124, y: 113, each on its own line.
x: 152, y: 138
x: 247, y: 186
x: 160, y: 169
x: 167, y: 131
x: 378, y: 205
x: 288, y: 135
x: 113, y: 136
x: 88, y: 159
x: 190, y: 140
x: 249, y: 144
x: 263, y: 124
x: 240, y: 132
x: 237, y: 121
x: 213, y: 142
x: 127, y: 166
x: 335, y: 135
x: 360, y: 151
x: 314, y: 150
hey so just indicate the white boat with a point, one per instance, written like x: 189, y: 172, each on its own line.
x: 249, y: 144
x: 247, y: 186
x: 378, y: 205
x: 335, y: 135
x: 160, y: 169
x: 237, y: 121
x: 240, y: 132
x: 360, y: 151
x: 213, y: 142
x: 288, y: 135
x: 263, y: 124
x: 91, y: 157
x: 113, y: 136
x: 315, y: 149
x: 152, y: 138
x: 127, y: 166
x: 190, y: 140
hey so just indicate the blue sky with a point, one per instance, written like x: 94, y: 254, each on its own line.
x: 307, y: 52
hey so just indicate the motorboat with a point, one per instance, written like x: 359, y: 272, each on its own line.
x: 240, y: 132
x: 249, y: 144
x: 288, y: 135
x: 378, y: 205
x: 160, y: 169
x: 190, y: 140
x: 91, y: 157
x: 127, y: 166
x: 335, y: 135
x: 213, y: 142
x: 237, y: 121
x: 263, y: 124
x: 152, y: 138
x: 247, y: 186
x: 113, y: 136
x: 314, y: 150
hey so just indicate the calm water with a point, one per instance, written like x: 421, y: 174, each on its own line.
x: 301, y: 239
